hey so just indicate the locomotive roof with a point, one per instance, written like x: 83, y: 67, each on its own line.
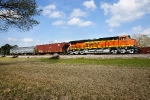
x: 24, y: 47
x: 99, y: 39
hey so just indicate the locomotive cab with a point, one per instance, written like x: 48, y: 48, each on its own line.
x: 131, y: 42
x: 128, y: 45
x: 127, y: 41
x: 122, y: 37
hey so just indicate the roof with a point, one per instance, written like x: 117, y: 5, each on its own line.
x: 99, y: 39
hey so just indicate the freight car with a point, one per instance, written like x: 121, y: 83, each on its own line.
x: 22, y: 51
x: 60, y: 48
x: 118, y: 44
x: 145, y: 50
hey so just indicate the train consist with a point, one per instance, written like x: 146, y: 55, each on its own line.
x: 112, y: 45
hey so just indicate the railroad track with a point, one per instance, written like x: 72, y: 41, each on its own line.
x: 88, y: 56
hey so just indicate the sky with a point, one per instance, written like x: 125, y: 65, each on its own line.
x: 68, y: 20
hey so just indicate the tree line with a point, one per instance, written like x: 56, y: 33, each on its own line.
x: 143, y: 40
x: 5, y: 49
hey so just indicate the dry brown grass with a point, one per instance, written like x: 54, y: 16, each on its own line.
x: 32, y: 79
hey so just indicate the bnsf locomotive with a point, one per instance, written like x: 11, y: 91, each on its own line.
x: 118, y: 44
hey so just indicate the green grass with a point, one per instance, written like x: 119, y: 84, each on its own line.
x: 74, y: 79
x: 131, y: 62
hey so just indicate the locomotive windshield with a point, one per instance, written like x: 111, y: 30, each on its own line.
x: 122, y: 38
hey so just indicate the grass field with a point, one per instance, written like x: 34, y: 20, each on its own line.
x: 82, y: 79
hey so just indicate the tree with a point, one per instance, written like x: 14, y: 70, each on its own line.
x: 142, y: 40
x: 5, y: 49
x: 0, y: 51
x: 18, y: 14
x: 14, y: 46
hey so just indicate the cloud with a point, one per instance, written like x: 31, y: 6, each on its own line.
x: 61, y: 22
x: 11, y: 39
x: 106, y: 8
x: 125, y: 11
x: 139, y: 29
x: 51, y: 12
x: 56, y: 14
x: 27, y: 40
x: 78, y: 13
x: 48, y: 9
x: 146, y: 31
x: 89, y: 4
x: 79, y: 22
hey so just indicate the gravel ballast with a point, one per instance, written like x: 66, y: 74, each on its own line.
x: 88, y: 56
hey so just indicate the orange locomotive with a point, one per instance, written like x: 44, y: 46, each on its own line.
x: 117, y: 44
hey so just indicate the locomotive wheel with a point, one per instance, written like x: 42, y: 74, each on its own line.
x: 70, y: 53
x: 82, y: 52
x: 131, y: 51
x: 123, y: 51
x: 76, y: 52
x: 114, y: 51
